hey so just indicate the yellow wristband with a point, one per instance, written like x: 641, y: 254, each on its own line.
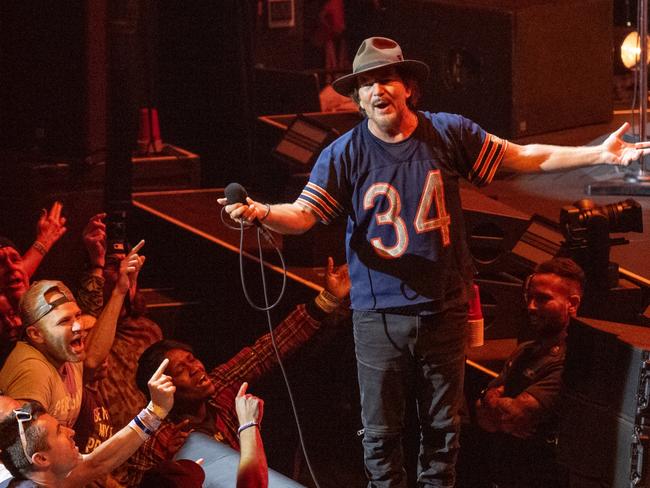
x: 157, y: 410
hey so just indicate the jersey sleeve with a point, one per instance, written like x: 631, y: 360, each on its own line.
x: 325, y: 189
x: 478, y: 153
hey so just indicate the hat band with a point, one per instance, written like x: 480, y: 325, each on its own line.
x: 374, y: 64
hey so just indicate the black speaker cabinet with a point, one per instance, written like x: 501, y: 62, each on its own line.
x: 517, y: 67
x: 493, y: 229
x: 604, y: 411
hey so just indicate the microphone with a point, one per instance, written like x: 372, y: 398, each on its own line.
x: 235, y: 193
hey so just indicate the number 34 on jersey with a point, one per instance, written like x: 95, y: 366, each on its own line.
x: 432, y: 195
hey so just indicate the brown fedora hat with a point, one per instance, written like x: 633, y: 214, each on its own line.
x: 375, y: 53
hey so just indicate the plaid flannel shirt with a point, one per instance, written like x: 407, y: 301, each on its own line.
x: 249, y: 365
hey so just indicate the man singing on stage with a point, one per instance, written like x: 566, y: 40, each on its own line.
x: 395, y: 176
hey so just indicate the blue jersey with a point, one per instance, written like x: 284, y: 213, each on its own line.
x: 405, y: 236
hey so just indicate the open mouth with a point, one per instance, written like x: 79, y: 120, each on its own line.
x: 381, y: 105
x: 16, y: 282
x: 203, y: 381
x: 77, y: 345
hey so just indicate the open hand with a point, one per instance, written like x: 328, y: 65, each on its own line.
x: 337, y: 280
x: 619, y: 152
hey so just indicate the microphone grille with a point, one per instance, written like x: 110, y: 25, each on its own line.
x: 235, y: 193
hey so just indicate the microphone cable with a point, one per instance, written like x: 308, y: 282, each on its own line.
x: 267, y: 309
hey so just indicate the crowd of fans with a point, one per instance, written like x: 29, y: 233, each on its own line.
x: 92, y: 393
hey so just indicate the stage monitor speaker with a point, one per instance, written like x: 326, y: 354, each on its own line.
x: 604, y: 410
x: 221, y: 461
x: 517, y: 67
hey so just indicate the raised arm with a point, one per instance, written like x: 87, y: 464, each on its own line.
x: 116, y: 450
x: 100, y: 338
x: 253, y: 471
x: 543, y: 157
x: 284, y: 218
x: 252, y: 362
x: 49, y: 229
x: 90, y: 295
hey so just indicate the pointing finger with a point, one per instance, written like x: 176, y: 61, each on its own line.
x: 160, y: 369
x: 56, y: 210
x: 137, y: 247
x: 242, y: 389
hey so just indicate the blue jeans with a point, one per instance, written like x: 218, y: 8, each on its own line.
x: 397, y: 354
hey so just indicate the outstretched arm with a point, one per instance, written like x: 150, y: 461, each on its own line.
x: 284, y: 218
x: 116, y: 450
x: 543, y: 157
x: 100, y: 338
x: 253, y: 471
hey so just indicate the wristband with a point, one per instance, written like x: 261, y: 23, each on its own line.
x: 268, y: 211
x: 144, y: 424
x: 157, y: 410
x: 245, y: 426
x: 150, y: 419
x: 327, y: 302
x: 40, y: 248
x: 138, y: 421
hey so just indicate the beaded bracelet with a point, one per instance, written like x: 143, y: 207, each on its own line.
x: 327, y: 302
x: 245, y: 426
x: 38, y: 246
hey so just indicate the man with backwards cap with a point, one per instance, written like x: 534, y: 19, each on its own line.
x: 396, y: 178
x: 16, y: 270
x: 48, y: 366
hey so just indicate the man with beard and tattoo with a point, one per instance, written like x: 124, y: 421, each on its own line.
x: 520, y: 406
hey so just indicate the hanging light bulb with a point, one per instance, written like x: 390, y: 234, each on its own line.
x: 631, y: 50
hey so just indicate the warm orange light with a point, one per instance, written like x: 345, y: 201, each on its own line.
x: 631, y: 50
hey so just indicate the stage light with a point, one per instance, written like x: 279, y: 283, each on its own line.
x: 631, y: 50
x: 303, y: 141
